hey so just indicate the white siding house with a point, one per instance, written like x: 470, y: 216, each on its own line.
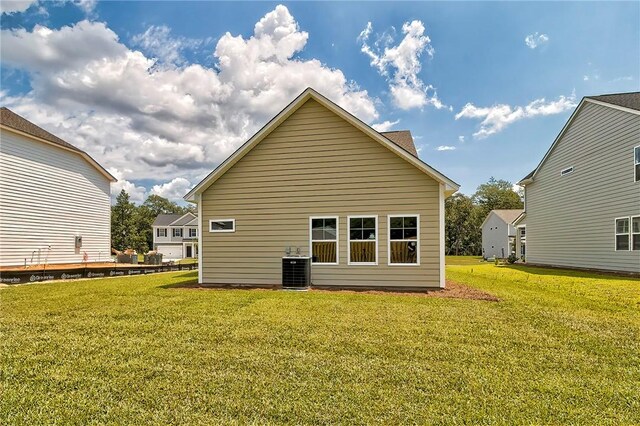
x: 176, y: 236
x: 582, y: 202
x: 54, y: 198
x: 499, y: 234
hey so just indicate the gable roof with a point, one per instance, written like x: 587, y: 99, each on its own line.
x: 507, y: 215
x: 627, y: 102
x: 174, y: 219
x: 403, y: 139
x: 166, y: 219
x: 12, y: 121
x: 184, y: 219
x: 309, y: 93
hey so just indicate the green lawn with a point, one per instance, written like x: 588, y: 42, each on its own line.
x: 560, y: 347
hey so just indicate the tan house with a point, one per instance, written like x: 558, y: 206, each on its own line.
x: 318, y: 182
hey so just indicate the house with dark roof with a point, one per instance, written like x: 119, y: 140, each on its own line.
x: 499, y: 233
x: 55, y: 198
x: 176, y: 236
x: 317, y: 183
x: 582, y: 201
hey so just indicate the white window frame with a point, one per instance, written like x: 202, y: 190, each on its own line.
x: 635, y: 178
x: 173, y: 233
x: 567, y: 171
x: 337, y: 240
x: 222, y: 231
x: 362, y: 216
x: 631, y: 233
x: 389, y: 217
x: 615, y: 231
x: 158, y: 232
x: 195, y: 233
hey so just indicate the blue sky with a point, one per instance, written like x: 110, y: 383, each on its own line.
x: 159, y: 93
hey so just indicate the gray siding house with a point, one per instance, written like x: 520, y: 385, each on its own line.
x: 499, y: 233
x: 55, y: 204
x: 582, y: 202
x: 176, y: 236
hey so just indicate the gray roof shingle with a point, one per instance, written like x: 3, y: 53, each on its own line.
x: 508, y: 215
x: 166, y: 219
x: 628, y: 100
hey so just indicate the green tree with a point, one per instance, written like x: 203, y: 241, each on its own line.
x: 462, y: 232
x: 149, y: 210
x: 124, y: 229
x: 496, y: 194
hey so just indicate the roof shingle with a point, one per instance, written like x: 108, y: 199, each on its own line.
x: 403, y: 139
x: 629, y: 100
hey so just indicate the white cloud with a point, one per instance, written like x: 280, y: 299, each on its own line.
x: 536, y: 39
x: 156, y: 123
x: 624, y: 78
x: 384, y: 126
x: 15, y: 6
x: 496, y: 118
x: 137, y: 194
x: 158, y: 41
x: 445, y: 148
x: 173, y: 190
x: 88, y: 6
x: 461, y: 139
x: 401, y: 64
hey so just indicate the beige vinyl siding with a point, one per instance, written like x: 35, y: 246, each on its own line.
x: 48, y: 195
x: 316, y: 164
x: 570, y: 219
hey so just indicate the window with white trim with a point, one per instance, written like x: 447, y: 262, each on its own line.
x: 193, y: 232
x: 636, y: 163
x: 622, y: 233
x: 222, y: 225
x: 404, y: 240
x: 324, y: 240
x: 363, y: 240
x: 176, y: 232
x: 161, y: 232
x: 635, y: 233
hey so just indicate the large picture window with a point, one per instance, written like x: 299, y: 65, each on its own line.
x: 622, y: 233
x: 324, y: 240
x: 363, y: 240
x: 635, y: 233
x: 404, y: 240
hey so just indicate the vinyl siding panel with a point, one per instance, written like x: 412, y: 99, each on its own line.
x: 495, y: 237
x: 49, y: 195
x: 570, y: 219
x: 316, y: 164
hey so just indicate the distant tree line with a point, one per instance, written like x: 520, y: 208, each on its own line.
x: 131, y: 224
x: 464, y: 215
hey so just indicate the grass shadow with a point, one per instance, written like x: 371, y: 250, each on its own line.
x: 574, y: 273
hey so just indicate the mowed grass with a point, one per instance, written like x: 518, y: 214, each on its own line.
x: 560, y: 347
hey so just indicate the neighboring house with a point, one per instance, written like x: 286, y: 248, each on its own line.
x: 176, y: 236
x: 499, y: 234
x: 362, y: 204
x: 582, y: 202
x: 55, y: 200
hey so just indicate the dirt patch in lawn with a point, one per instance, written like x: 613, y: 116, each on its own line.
x: 452, y: 290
